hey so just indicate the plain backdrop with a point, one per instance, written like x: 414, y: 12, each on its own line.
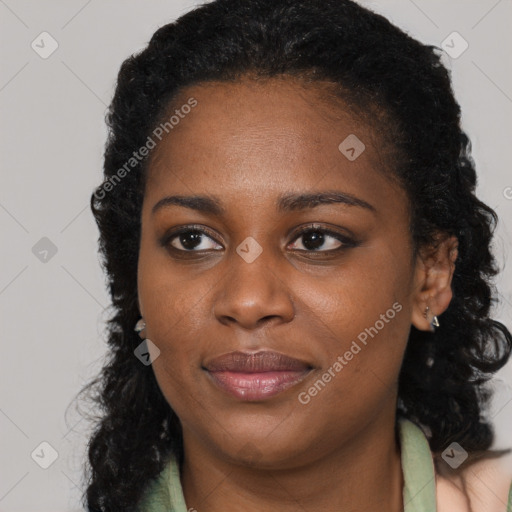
x: 52, y: 291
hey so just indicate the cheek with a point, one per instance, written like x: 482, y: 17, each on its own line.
x: 361, y: 313
x: 353, y: 296
x: 170, y: 304
x: 169, y: 297
x: 174, y: 314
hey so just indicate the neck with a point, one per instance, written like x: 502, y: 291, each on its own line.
x: 364, y: 474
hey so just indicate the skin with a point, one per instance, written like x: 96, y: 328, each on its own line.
x: 248, y: 143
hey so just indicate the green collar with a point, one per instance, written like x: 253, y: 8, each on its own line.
x: 419, y: 493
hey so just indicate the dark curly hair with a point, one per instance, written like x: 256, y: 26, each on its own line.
x: 373, y: 66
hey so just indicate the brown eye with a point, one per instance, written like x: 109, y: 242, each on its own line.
x: 321, y: 240
x: 191, y: 240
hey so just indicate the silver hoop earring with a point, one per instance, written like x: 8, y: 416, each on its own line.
x: 434, y: 322
x: 139, y: 327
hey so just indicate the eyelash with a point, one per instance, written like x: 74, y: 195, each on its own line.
x: 345, y: 240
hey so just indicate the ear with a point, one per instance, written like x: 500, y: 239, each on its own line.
x: 435, y: 266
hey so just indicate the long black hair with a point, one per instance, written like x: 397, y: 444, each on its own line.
x: 374, y: 66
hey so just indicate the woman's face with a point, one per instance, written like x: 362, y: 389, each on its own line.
x: 337, y: 298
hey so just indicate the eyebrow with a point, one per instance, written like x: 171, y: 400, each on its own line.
x: 289, y: 202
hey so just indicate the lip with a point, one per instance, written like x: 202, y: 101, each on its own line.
x: 256, y: 376
x: 255, y: 362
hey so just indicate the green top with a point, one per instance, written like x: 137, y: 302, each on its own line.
x: 419, y: 493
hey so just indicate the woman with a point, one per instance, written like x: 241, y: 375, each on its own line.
x: 300, y: 272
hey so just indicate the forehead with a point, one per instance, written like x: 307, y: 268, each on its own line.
x: 250, y: 110
x: 258, y: 137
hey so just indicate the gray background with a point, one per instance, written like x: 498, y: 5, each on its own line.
x: 52, y: 126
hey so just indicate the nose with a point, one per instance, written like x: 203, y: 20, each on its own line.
x: 253, y: 294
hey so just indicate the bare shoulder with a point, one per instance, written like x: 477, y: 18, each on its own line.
x: 482, y: 484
